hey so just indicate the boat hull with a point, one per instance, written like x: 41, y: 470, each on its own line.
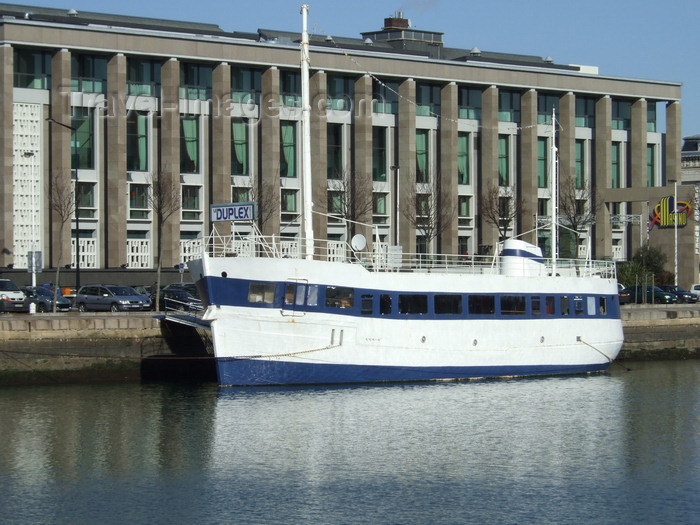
x: 285, y: 343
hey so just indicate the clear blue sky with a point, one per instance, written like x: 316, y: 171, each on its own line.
x: 648, y: 39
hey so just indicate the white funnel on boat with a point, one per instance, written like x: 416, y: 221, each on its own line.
x: 521, y: 258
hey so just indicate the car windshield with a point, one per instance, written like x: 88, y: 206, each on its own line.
x: 9, y: 286
x: 43, y: 291
x: 122, y: 290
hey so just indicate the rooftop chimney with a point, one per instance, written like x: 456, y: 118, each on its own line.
x: 396, y: 22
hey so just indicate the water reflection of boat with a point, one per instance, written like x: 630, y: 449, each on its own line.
x: 331, y: 313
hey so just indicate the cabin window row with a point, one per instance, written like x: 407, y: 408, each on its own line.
x: 304, y: 295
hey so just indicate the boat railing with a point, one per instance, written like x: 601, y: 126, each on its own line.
x: 381, y: 257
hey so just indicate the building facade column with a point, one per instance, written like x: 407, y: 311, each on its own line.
x: 269, y: 151
x: 115, y: 216
x: 601, y: 180
x: 566, y: 152
x: 406, y: 129
x: 448, y: 172
x: 60, y: 169
x: 318, y: 91
x: 169, y: 168
x: 488, y: 174
x: 221, y: 144
x: 638, y: 169
x: 526, y: 191
x: 362, y: 154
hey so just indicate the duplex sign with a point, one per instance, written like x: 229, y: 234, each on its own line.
x: 240, y: 211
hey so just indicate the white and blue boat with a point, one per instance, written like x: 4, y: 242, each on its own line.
x: 330, y: 313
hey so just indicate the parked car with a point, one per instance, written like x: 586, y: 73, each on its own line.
x: 695, y: 288
x: 11, y: 298
x: 43, y: 299
x: 684, y: 296
x: 624, y: 296
x: 142, y: 290
x: 650, y: 294
x: 175, y: 299
x: 188, y: 287
x: 108, y: 297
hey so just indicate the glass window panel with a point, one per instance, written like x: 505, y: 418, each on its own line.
x: 239, y: 147
x: 288, y: 143
x: 83, y: 156
x: 189, y: 145
x: 463, y: 158
x: 136, y: 142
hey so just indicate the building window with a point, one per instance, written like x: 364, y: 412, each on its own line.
x: 83, y: 145
x: 462, y: 158
x: 289, y: 202
x: 616, y: 165
x: 189, y: 145
x: 335, y: 205
x: 32, y: 69
x: 136, y: 142
x: 545, y: 105
x: 291, y: 89
x: 85, y: 200
x: 427, y: 100
x: 288, y: 165
x: 341, y: 91
x: 651, y: 116
x: 142, y: 77
x: 463, y: 211
x: 543, y: 207
x: 379, y: 210
x: 379, y: 154
x: 469, y: 102
x: 239, y: 146
x: 621, y: 114
x: 240, y: 194
x: 195, y: 81
x: 585, y: 112
x: 88, y: 73
x: 422, y: 155
x: 503, y: 161
x: 385, y: 97
x: 245, y: 85
x: 191, y: 210
x: 138, y: 201
x: 508, y: 106
x: 580, y: 164
x: 542, y: 162
x: 651, y: 165
x: 334, y: 148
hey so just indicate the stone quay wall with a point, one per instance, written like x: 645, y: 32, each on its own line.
x: 88, y: 346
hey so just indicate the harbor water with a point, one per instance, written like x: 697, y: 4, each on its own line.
x: 619, y: 447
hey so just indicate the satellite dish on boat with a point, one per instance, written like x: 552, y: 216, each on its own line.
x: 358, y: 242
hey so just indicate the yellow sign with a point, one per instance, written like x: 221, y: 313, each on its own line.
x: 668, y: 215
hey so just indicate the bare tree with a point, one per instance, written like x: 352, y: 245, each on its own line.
x: 164, y: 199
x: 350, y: 198
x: 267, y: 199
x: 500, y: 207
x: 63, y: 206
x: 424, y: 208
x: 577, y: 206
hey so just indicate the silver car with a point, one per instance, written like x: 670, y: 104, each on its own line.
x: 109, y: 297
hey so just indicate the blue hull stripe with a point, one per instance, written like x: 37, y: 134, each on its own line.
x: 249, y: 372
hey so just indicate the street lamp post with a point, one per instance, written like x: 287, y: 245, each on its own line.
x: 51, y: 120
x: 675, y: 230
x: 395, y: 218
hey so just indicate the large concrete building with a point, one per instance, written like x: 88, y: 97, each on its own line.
x: 420, y: 140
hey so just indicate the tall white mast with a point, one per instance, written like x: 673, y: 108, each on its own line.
x: 555, y: 196
x: 307, y: 200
